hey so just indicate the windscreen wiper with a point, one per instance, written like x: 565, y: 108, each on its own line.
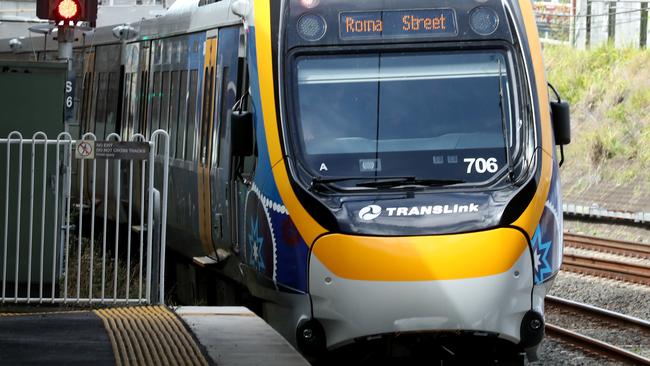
x: 504, y: 125
x: 325, y: 180
x: 392, y: 183
x: 385, y: 182
x: 366, y: 181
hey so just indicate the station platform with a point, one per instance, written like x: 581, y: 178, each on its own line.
x: 144, y: 335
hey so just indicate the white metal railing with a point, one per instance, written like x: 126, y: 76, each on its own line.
x: 58, y: 257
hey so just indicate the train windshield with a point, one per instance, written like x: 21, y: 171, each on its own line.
x: 441, y: 117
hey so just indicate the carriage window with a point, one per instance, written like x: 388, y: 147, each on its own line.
x: 126, y: 107
x: 207, y: 112
x: 111, y: 104
x: 173, y: 112
x: 100, y: 103
x: 134, y: 104
x: 181, y: 134
x: 155, y: 103
x: 164, y: 102
x: 223, y: 131
x: 191, y: 115
x: 140, y: 100
x: 87, y: 98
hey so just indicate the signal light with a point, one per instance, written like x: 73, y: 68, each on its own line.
x: 67, y: 10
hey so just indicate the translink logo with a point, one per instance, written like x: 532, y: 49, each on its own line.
x: 372, y: 212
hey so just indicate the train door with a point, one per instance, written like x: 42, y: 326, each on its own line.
x: 205, y: 143
x: 222, y: 187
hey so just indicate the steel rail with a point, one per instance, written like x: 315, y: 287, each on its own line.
x: 601, y: 267
x: 619, y: 247
x: 596, y: 346
x: 594, y: 311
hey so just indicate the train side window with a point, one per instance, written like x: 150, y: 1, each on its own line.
x: 92, y: 106
x: 155, y: 103
x: 164, y: 101
x: 181, y: 134
x: 126, y: 106
x: 173, y: 112
x: 141, y: 101
x: 87, y: 98
x: 191, y: 115
x: 134, y: 103
x: 100, y: 109
x: 249, y: 162
x: 223, y: 130
x: 207, y: 112
x: 112, y: 96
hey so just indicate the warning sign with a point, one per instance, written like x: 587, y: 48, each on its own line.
x: 85, y: 150
x: 117, y: 150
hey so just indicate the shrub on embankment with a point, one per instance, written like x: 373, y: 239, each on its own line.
x: 609, y: 92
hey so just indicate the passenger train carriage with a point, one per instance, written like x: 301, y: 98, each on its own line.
x: 365, y: 168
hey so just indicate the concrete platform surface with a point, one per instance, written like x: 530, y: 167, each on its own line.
x: 142, y: 335
x: 234, y: 336
x: 73, y: 338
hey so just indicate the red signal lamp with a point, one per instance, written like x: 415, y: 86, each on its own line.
x: 67, y: 10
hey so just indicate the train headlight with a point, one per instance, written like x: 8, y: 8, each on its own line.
x: 309, y: 4
x: 311, y: 27
x: 484, y: 21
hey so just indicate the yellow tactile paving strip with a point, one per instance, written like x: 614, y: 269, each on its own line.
x: 149, y: 335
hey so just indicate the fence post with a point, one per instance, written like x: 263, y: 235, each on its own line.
x: 643, y: 37
x: 611, y: 23
x: 588, y: 25
x: 156, y: 252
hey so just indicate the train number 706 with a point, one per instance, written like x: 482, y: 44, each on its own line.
x: 481, y: 165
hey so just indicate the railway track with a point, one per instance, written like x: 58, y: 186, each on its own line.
x: 593, y: 314
x: 602, y: 267
x: 619, y: 247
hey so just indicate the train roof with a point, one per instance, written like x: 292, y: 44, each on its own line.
x: 184, y: 16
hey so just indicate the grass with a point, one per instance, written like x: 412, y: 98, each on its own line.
x: 609, y: 92
x: 84, y: 278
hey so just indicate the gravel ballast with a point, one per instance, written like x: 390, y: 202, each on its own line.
x: 621, y: 297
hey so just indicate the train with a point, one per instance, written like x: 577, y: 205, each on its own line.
x: 367, y: 170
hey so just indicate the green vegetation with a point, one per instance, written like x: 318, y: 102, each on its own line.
x: 609, y: 92
x: 84, y: 276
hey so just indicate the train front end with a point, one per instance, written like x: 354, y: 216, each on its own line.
x: 413, y: 161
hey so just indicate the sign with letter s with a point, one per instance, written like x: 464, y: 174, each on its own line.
x: 69, y: 97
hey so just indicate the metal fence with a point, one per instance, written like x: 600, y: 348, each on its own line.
x: 591, y: 23
x: 83, y: 220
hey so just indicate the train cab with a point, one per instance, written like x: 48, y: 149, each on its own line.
x: 407, y: 180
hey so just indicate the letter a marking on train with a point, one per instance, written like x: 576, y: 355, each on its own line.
x: 323, y: 168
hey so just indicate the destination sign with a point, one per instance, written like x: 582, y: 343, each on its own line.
x: 398, y: 24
